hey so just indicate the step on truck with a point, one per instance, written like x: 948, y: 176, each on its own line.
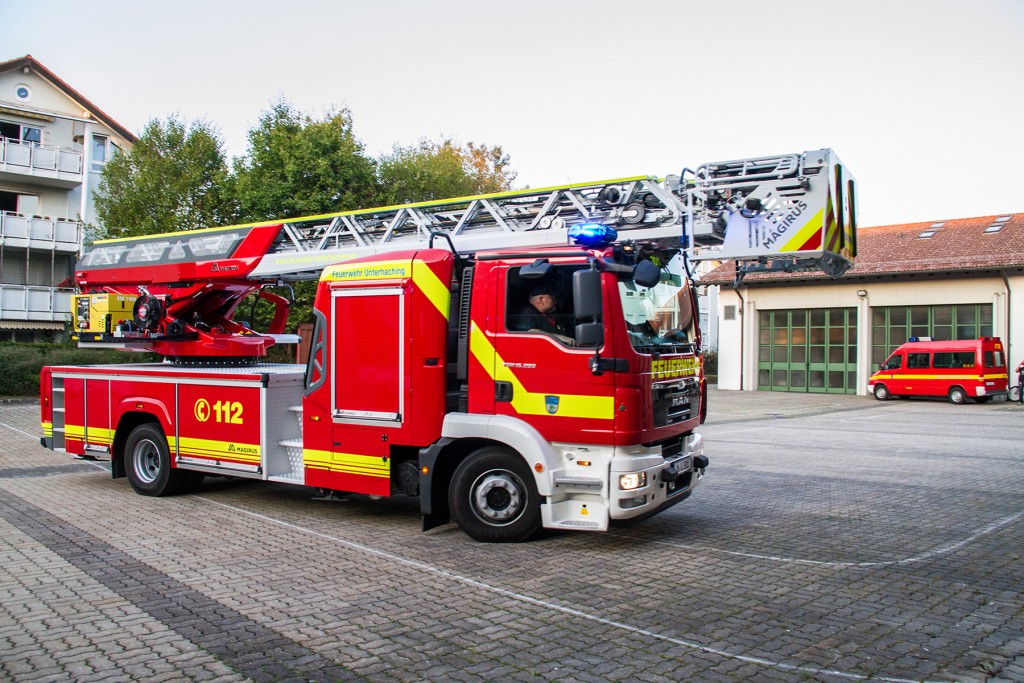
x: 434, y: 370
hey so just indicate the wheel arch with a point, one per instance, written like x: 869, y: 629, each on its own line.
x: 465, y: 434
x: 540, y: 456
x: 125, y: 425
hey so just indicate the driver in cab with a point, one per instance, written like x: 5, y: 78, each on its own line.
x: 539, y: 312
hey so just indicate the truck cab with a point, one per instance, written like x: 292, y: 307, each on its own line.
x: 432, y: 373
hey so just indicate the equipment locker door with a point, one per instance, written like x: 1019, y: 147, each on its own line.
x: 369, y: 363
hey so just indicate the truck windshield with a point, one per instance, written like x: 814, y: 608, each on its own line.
x: 660, y: 319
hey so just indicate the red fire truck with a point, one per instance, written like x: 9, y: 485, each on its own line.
x: 430, y: 373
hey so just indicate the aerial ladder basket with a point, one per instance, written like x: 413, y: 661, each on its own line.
x: 794, y: 212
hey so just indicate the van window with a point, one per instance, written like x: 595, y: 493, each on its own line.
x: 994, y: 359
x: 957, y: 359
x: 917, y: 360
x: 895, y: 362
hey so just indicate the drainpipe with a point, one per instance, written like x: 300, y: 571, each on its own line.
x: 743, y: 325
x: 1006, y: 285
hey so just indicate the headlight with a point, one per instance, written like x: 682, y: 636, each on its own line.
x: 628, y: 482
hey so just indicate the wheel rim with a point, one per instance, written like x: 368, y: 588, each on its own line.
x: 956, y: 396
x: 497, y: 497
x: 146, y: 461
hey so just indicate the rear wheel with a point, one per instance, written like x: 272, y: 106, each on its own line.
x: 1014, y: 393
x: 147, y: 462
x: 493, y: 496
x: 957, y: 395
x: 881, y: 392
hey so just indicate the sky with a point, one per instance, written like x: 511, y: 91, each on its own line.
x: 923, y: 100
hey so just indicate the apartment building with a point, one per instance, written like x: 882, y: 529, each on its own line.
x: 53, y: 146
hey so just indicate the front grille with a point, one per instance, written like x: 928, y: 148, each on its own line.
x: 675, y: 401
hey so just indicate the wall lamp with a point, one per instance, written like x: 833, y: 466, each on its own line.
x: 862, y: 293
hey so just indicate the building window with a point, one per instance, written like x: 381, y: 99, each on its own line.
x: 16, y: 131
x: 894, y: 325
x: 99, y: 152
x: 729, y: 313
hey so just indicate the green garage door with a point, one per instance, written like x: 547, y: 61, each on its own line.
x: 809, y: 350
x: 894, y: 325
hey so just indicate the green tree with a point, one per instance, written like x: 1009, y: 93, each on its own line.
x: 438, y: 170
x: 299, y: 166
x: 175, y: 177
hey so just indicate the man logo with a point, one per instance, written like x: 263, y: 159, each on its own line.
x: 551, y: 404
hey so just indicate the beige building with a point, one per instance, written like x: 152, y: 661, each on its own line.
x: 955, y: 279
x: 53, y: 145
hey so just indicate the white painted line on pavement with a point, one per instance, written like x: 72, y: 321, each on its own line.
x: 934, y: 552
x: 34, y: 437
x: 444, y: 573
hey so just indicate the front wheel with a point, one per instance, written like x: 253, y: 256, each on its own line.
x: 1014, y: 393
x: 957, y: 395
x: 881, y: 392
x: 493, y: 496
x: 147, y: 462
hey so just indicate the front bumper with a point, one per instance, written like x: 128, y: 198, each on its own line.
x: 668, y: 472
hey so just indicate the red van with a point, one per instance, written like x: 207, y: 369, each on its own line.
x: 967, y: 368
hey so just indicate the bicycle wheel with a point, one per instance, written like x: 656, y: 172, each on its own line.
x: 1014, y: 393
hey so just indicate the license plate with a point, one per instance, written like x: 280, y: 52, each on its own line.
x: 683, y: 464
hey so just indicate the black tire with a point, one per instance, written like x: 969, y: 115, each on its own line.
x: 957, y: 395
x: 882, y: 392
x: 493, y: 496
x: 147, y: 462
x: 1014, y: 393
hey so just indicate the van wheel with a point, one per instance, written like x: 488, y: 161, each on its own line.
x: 493, y: 496
x: 881, y: 392
x: 957, y: 395
x: 147, y: 462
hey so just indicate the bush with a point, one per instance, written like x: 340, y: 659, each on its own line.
x: 21, y: 363
x: 710, y: 362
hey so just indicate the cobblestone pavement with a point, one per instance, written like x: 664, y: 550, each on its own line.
x: 833, y: 539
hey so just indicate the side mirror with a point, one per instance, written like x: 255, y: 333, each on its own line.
x: 589, y: 334
x: 586, y: 294
x: 646, y: 274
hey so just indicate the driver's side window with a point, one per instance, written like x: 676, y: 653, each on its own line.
x: 541, y: 304
x: 894, y: 363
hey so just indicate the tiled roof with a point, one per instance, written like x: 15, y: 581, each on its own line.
x: 963, y: 244
x: 28, y: 61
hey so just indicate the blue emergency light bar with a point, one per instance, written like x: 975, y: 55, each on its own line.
x: 592, y: 234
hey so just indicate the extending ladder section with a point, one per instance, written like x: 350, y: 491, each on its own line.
x: 640, y: 208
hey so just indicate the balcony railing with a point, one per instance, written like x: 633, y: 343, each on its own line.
x: 59, y: 165
x: 47, y: 304
x: 39, y: 232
